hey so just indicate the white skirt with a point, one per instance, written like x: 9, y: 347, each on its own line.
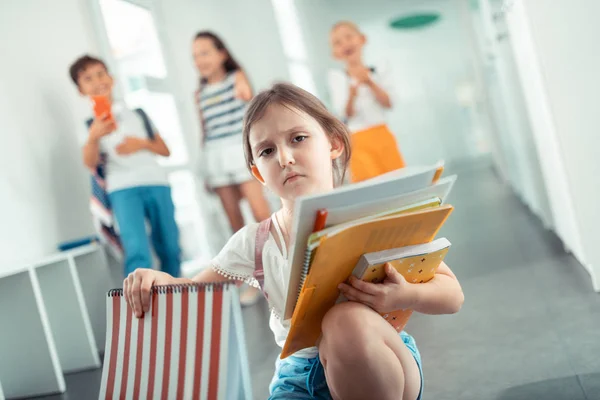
x: 222, y: 162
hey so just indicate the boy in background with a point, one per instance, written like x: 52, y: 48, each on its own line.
x: 123, y: 145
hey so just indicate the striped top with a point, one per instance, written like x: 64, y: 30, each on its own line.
x: 221, y: 112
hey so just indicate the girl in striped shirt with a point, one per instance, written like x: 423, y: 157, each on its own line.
x: 221, y: 100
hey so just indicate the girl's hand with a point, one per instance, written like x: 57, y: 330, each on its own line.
x: 393, y: 294
x: 361, y: 74
x: 137, y: 287
x: 242, y: 89
x: 353, y: 91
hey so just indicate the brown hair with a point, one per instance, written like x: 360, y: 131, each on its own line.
x: 83, y: 63
x: 295, y: 98
x: 230, y: 64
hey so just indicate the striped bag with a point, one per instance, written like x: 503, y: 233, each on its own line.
x: 190, y: 345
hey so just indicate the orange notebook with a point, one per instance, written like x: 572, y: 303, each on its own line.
x: 338, y: 254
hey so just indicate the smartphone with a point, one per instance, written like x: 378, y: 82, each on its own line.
x: 102, y: 106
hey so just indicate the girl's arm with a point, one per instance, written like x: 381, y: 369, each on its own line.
x: 363, y: 75
x: 210, y: 275
x: 243, y: 91
x: 350, y: 103
x: 441, y: 295
x: 236, y: 259
x: 137, y: 286
x: 380, y: 94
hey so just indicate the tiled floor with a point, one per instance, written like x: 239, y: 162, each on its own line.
x: 530, y: 326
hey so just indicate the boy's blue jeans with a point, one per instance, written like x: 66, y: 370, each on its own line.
x: 131, y: 208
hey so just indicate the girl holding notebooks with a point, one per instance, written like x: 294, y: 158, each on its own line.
x: 295, y: 147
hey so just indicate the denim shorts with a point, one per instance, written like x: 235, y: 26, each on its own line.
x: 304, y: 378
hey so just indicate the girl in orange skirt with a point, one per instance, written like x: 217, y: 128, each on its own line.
x: 360, y: 94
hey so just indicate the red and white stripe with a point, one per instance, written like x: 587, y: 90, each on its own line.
x: 177, y: 351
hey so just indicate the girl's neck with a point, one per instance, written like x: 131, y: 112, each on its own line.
x: 217, y: 76
x: 286, y: 216
x: 354, y: 63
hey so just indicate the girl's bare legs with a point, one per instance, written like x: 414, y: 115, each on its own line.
x: 230, y: 199
x: 364, y: 357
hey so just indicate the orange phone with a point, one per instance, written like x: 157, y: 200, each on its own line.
x: 102, y: 106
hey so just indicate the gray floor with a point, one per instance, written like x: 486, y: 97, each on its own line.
x: 530, y: 326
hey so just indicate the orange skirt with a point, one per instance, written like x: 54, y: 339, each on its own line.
x: 374, y: 152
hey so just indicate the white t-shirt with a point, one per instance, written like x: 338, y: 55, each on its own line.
x: 367, y: 111
x: 137, y: 169
x: 236, y: 260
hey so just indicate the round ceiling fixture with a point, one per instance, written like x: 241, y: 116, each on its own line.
x: 415, y: 21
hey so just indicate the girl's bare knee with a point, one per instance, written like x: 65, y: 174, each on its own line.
x: 346, y: 327
x: 347, y: 318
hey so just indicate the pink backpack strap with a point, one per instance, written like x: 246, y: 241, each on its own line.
x: 262, y: 235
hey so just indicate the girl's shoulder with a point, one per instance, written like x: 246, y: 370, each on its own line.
x: 246, y: 236
x: 238, y: 252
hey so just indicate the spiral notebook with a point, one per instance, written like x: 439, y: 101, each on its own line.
x: 190, y: 345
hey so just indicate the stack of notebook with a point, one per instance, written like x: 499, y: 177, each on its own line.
x: 337, y: 231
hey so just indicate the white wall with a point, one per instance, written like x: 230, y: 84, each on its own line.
x: 43, y: 184
x: 565, y: 36
x: 513, y: 134
x: 429, y: 65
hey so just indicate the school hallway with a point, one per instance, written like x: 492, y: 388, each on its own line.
x: 528, y: 328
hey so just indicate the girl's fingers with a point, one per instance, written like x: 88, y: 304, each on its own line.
x: 356, y: 294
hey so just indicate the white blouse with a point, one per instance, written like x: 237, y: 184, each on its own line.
x: 367, y: 110
x: 236, y: 261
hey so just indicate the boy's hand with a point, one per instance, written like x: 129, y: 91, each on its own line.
x: 393, y: 294
x: 137, y: 287
x: 101, y: 127
x: 131, y: 145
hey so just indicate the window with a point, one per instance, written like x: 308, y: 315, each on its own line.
x: 133, y: 49
x: 293, y: 44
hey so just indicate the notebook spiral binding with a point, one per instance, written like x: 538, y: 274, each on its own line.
x: 179, y: 288
x: 305, y: 266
